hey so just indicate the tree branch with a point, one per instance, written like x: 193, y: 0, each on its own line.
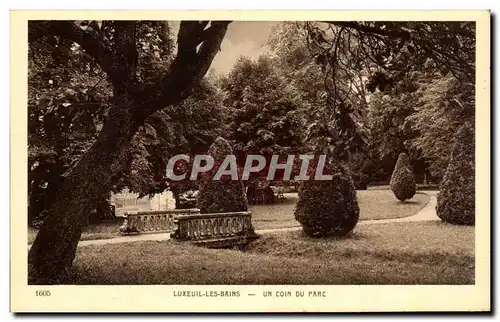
x: 422, y: 39
x: 125, y: 62
x: 88, y: 40
x: 197, y: 48
x: 372, y: 30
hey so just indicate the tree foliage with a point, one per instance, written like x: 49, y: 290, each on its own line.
x: 327, y: 131
x: 264, y: 112
x: 224, y: 195
x: 387, y: 123
x: 68, y: 100
x: 456, y: 197
x: 363, y: 57
x: 403, y: 183
x: 378, y: 89
x: 444, y: 105
x: 186, y: 128
x: 70, y: 97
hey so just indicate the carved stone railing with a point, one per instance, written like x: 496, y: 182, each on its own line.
x: 152, y: 221
x: 216, y: 230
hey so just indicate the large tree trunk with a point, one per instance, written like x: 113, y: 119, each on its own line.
x: 40, y: 198
x: 54, y: 248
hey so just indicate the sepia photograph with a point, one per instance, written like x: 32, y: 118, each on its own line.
x: 205, y: 155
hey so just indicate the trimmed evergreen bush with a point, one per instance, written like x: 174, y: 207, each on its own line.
x: 456, y: 197
x: 330, y: 207
x: 224, y: 195
x: 260, y: 192
x: 360, y: 168
x: 403, y: 183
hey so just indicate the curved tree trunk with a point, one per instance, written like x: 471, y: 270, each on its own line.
x: 54, y: 248
x: 176, y: 193
x: 251, y: 192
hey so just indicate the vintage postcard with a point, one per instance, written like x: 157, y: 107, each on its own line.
x: 250, y: 161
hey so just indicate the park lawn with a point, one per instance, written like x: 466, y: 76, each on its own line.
x: 373, y: 204
x: 410, y: 241
x: 382, y: 204
x: 395, y: 253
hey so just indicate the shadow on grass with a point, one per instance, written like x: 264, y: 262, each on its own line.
x: 351, y: 235
x: 410, y: 202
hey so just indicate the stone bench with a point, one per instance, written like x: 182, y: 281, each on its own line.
x: 216, y: 230
x: 152, y: 221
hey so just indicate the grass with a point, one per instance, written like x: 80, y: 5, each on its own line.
x: 373, y: 204
x: 278, y: 215
x: 381, y: 204
x: 396, y: 253
x: 412, y: 241
x: 102, y: 230
x: 420, y: 186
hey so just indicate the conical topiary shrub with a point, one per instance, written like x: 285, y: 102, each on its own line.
x: 403, y: 183
x: 456, y: 197
x: 224, y: 195
x: 328, y: 208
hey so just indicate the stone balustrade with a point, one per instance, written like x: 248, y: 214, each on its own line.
x: 153, y: 221
x: 216, y: 230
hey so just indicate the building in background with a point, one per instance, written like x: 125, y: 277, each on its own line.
x: 128, y: 201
